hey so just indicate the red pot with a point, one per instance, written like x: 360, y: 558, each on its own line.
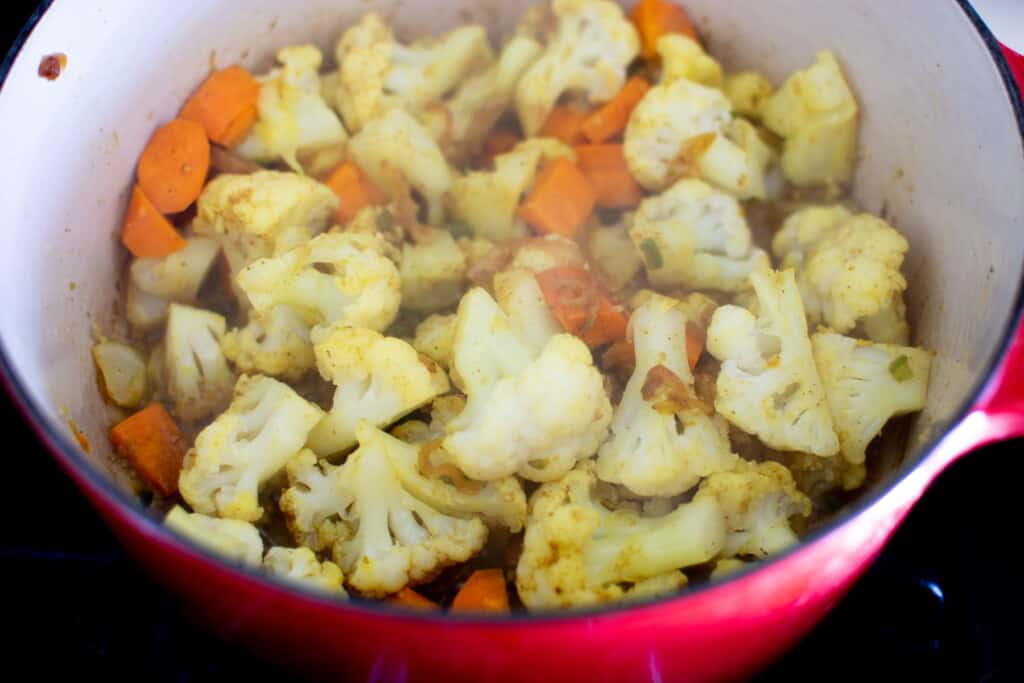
x: 962, y: 114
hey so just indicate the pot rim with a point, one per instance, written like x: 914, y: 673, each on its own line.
x: 128, y: 508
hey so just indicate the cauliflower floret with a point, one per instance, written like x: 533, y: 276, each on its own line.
x: 396, y: 149
x: 376, y: 73
x: 683, y: 57
x: 263, y: 428
x: 848, y: 270
x: 379, y: 379
x: 662, y: 442
x: 434, y: 338
x: 521, y: 298
x: 293, y: 117
x: 551, y: 251
x: 231, y: 538
x: 615, y: 255
x: 748, y: 91
x: 276, y: 343
x: 383, y: 536
x: 144, y: 311
x: 121, y: 371
x: 199, y: 380
x: 867, y: 384
x: 300, y: 565
x: 816, y: 112
x: 433, y: 273
x: 577, y: 552
x: 589, y: 54
x: 535, y: 415
x: 487, y: 201
x: 177, y: 276
x: 334, y: 277
x: 696, y: 236
x: 768, y: 384
x: 758, y: 500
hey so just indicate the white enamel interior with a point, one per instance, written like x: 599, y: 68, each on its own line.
x: 939, y: 147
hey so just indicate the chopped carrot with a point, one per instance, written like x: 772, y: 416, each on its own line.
x: 172, y: 168
x: 581, y: 306
x: 606, y: 169
x: 146, y: 233
x: 355, y: 191
x: 225, y: 105
x: 655, y: 18
x: 151, y: 441
x: 565, y: 124
x: 611, y: 119
x: 499, y: 142
x: 561, y: 200
x: 407, y: 597
x: 484, y: 591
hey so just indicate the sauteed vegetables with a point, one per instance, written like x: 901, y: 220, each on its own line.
x: 572, y: 318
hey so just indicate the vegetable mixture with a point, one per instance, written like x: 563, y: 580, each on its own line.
x: 578, y: 319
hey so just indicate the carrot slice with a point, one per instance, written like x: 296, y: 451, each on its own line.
x: 407, y: 597
x: 581, y: 306
x: 172, y: 168
x: 151, y: 441
x: 484, y: 591
x: 145, y: 232
x: 225, y: 105
x: 565, y: 124
x: 606, y: 169
x: 655, y: 18
x: 355, y: 191
x: 611, y: 119
x: 561, y: 200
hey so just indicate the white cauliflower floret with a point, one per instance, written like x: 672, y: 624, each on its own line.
x: 383, y: 536
x: 434, y: 337
x: 121, y: 371
x: 144, y: 311
x: 867, y: 384
x: 848, y: 270
x: 396, y: 152
x: 589, y: 54
x: 263, y: 428
x: 376, y: 73
x: 487, y: 201
x: 768, y: 384
x: 615, y: 255
x: 663, y: 442
x: 335, y: 277
x: 379, y: 379
x: 521, y: 298
x: 300, y: 565
x: 695, y: 236
x: 577, y: 552
x: 683, y: 57
x: 233, y: 539
x: 816, y: 112
x: 758, y: 500
x: 535, y: 415
x: 199, y: 380
x: 177, y: 276
x: 276, y: 343
x: 748, y: 91
x: 293, y: 118
x: 433, y: 273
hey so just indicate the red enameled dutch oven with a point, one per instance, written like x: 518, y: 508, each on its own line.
x: 941, y: 153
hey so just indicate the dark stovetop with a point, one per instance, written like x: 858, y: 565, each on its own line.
x: 942, y: 603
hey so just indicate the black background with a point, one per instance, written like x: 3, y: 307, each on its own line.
x: 73, y: 602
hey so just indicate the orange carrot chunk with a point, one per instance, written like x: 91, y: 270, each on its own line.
x: 611, y: 119
x: 146, y: 233
x: 407, y: 597
x: 355, y: 191
x: 581, y: 306
x: 172, y: 168
x: 565, y: 124
x: 606, y: 169
x: 561, y: 200
x: 484, y: 591
x: 225, y: 105
x: 655, y: 18
x: 152, y: 443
